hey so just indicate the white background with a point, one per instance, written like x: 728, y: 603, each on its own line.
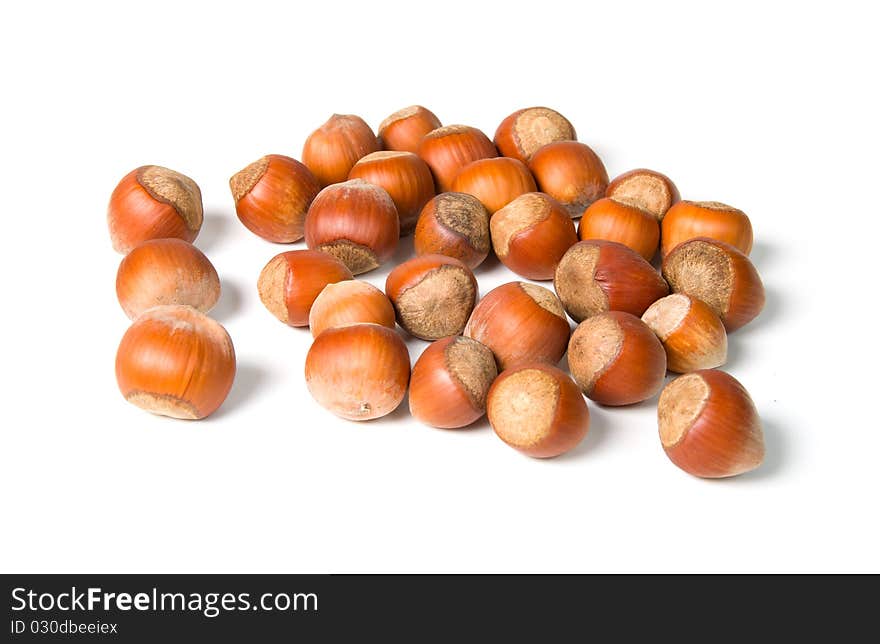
x: 771, y: 107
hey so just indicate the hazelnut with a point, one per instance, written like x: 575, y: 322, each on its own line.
x: 356, y: 222
x: 495, y: 182
x: 619, y: 222
x: 538, y: 410
x: 433, y: 295
x: 520, y: 323
x: 571, y: 173
x: 456, y: 225
x: 616, y: 359
x: 596, y: 276
x: 450, y: 381
x: 331, y: 151
x: 291, y: 281
x: 531, y: 234
x: 645, y: 189
x: 404, y: 130
x: 692, y: 335
x: 272, y: 196
x: 349, y: 302
x: 152, y: 202
x: 404, y: 176
x: 691, y: 219
x: 448, y: 149
x: 709, y: 426
x: 166, y: 271
x: 718, y: 274
x: 359, y: 372
x: 175, y: 361
x: 525, y: 131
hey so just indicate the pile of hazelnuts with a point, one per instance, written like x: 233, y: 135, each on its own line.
x: 462, y: 196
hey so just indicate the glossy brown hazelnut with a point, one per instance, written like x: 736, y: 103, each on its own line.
x: 645, y: 189
x: 152, y: 202
x: 450, y: 381
x: 175, y: 361
x: 358, y: 372
x: 538, y: 410
x: 616, y: 359
x: 331, y: 151
x: 448, y: 149
x: 620, y: 222
x: 349, y: 302
x: 596, y: 276
x: 520, y: 323
x: 291, y: 281
x: 525, y: 131
x: 709, y: 426
x: 718, y: 274
x: 433, y: 295
x: 356, y: 222
x: 456, y: 225
x: 495, y: 182
x: 272, y: 196
x: 571, y: 173
x: 692, y: 335
x: 166, y: 271
x: 691, y: 219
x: 531, y: 234
x: 404, y: 176
x: 404, y: 130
